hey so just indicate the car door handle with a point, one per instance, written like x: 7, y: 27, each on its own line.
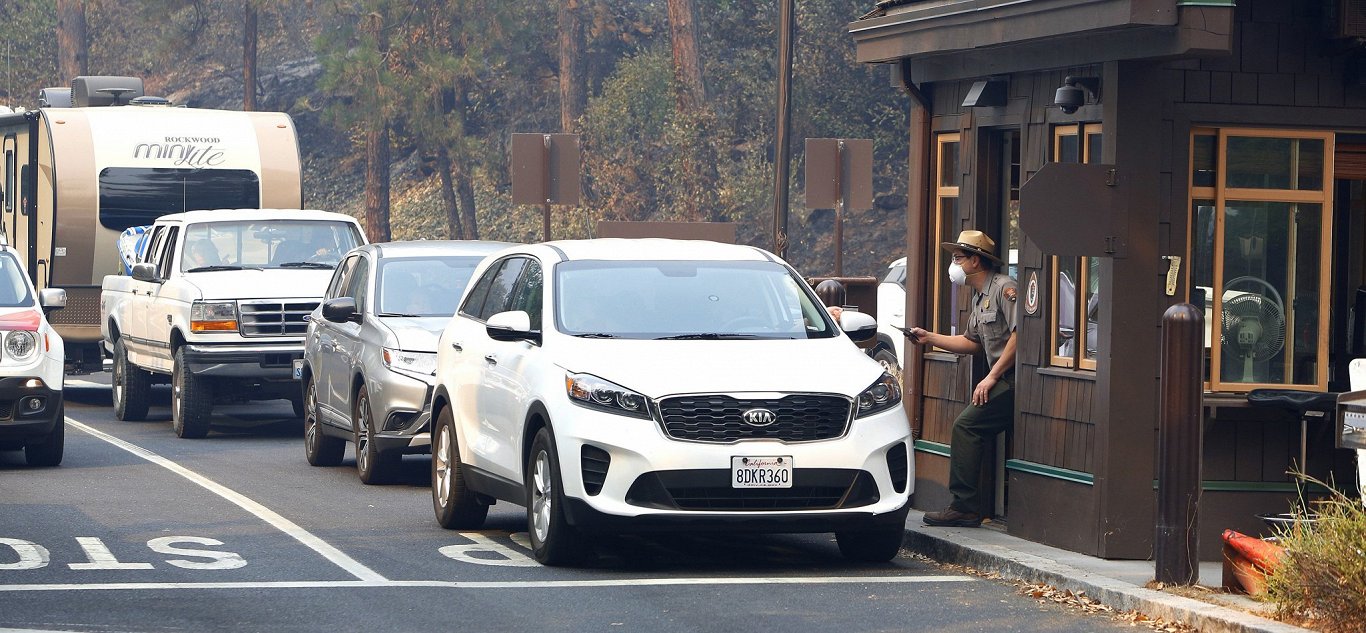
x: 457, y: 347
x: 490, y: 359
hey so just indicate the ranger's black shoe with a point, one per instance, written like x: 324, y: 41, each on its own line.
x: 950, y: 517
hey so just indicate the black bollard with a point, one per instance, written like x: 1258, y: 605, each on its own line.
x: 1179, y: 446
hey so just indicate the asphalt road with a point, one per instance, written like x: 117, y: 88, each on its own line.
x: 138, y: 530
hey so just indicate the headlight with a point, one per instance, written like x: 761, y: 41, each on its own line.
x: 21, y: 344
x: 419, y: 364
x: 595, y: 393
x: 882, y: 395
x: 217, y: 316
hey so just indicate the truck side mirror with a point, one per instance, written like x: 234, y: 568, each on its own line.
x: 341, y: 310
x: 52, y: 299
x: 144, y: 271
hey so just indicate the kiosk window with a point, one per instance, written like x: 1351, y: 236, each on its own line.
x: 1075, y: 283
x: 947, y: 223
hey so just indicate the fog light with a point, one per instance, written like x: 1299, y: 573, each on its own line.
x: 32, y: 405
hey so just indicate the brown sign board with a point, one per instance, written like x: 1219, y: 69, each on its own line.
x: 545, y: 169
x: 838, y: 167
x: 723, y: 232
x: 1076, y: 209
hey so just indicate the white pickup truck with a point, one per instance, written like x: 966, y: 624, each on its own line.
x: 217, y: 304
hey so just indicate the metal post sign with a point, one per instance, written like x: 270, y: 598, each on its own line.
x: 545, y: 171
x: 839, y: 176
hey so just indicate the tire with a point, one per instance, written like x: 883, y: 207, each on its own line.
x: 131, y: 386
x: 320, y: 448
x: 887, y: 358
x: 372, y: 464
x: 457, y: 507
x: 871, y: 546
x: 49, y: 452
x: 191, y: 400
x: 553, y: 541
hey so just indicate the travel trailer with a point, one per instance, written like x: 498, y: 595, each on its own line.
x: 101, y: 157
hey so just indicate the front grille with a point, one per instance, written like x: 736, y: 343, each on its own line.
x: 595, y: 463
x: 719, y: 418
x: 710, y: 489
x: 274, y: 318
x: 7, y: 409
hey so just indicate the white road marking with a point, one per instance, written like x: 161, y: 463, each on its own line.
x: 513, y: 584
x: 336, y: 556
x: 77, y: 382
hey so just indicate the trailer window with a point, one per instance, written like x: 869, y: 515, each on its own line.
x: 134, y: 196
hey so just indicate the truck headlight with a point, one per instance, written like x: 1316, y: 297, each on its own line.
x: 590, y: 391
x: 21, y: 344
x: 418, y: 364
x: 213, y: 316
x: 880, y: 396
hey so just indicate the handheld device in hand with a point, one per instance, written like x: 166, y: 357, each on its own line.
x: 907, y: 331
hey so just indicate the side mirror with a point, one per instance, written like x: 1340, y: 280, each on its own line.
x: 52, y: 299
x: 859, y: 326
x: 341, y: 310
x: 512, y: 326
x: 145, y: 271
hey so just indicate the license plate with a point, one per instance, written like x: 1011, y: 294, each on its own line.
x: 761, y: 472
x: 298, y: 369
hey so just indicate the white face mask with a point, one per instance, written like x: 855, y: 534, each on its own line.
x: 956, y: 274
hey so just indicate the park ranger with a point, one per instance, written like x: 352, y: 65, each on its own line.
x: 991, y: 332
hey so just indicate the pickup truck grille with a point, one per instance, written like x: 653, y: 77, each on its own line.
x: 275, y: 318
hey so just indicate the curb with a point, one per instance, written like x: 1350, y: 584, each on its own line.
x: 950, y: 545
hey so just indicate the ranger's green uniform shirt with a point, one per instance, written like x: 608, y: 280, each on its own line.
x: 992, y: 318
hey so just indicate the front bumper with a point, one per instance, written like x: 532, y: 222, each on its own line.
x: 858, y: 481
x: 402, y: 415
x: 266, y: 361
x: 19, y: 420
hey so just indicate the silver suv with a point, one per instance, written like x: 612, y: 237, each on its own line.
x: 370, y: 356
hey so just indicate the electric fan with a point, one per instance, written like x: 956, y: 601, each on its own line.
x: 1253, y: 324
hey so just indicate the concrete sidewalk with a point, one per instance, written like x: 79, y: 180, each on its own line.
x: 1118, y: 584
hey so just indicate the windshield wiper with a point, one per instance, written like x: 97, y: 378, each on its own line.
x: 596, y: 335
x: 318, y: 265
x: 708, y: 336
x: 215, y: 267
x: 397, y: 314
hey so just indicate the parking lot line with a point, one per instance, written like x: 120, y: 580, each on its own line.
x: 510, y: 584
x: 308, y: 539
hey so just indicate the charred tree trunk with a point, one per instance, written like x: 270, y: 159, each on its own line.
x: 249, y: 58
x: 573, y: 97
x: 377, y: 183
x: 73, y: 52
x: 691, y: 91
x: 465, y: 188
x: 454, y: 226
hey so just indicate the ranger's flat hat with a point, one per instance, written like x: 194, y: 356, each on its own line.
x: 974, y: 242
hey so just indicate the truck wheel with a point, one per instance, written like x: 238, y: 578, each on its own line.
x: 372, y: 464
x: 49, y: 452
x: 132, y: 386
x: 191, y: 400
x: 320, y: 448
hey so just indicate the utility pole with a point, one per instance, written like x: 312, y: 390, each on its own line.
x: 782, y: 154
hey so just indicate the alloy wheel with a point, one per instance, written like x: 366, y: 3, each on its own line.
x: 542, y: 493
x: 442, y: 464
x: 363, y: 433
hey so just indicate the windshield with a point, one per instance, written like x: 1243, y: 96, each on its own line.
x: 686, y: 299
x: 14, y: 291
x: 424, y: 286
x: 267, y: 244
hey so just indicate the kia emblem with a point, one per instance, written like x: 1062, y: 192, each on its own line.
x: 759, y: 417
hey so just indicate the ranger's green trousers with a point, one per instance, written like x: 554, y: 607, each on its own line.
x: 972, y: 430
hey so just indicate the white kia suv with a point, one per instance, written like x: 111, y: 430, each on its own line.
x: 641, y: 385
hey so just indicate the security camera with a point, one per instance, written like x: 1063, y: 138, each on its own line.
x: 1068, y: 98
x: 1072, y: 94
